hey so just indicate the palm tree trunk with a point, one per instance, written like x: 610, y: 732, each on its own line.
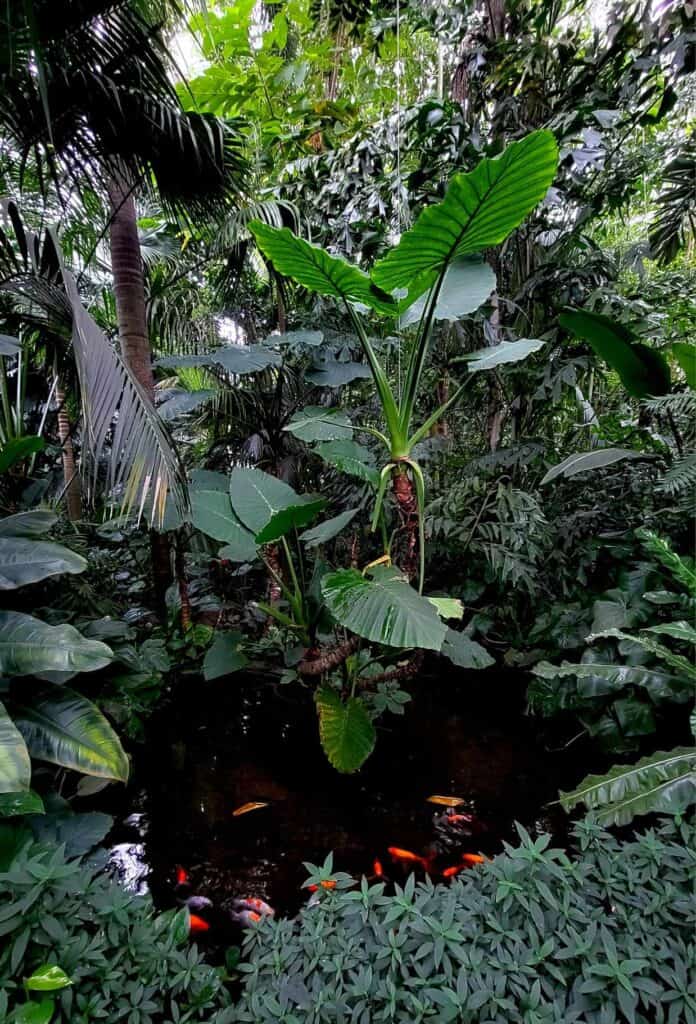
x: 72, y: 490
x: 129, y: 289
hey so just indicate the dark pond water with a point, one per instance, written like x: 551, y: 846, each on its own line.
x: 221, y: 745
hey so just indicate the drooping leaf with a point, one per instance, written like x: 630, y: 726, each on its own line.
x: 224, y: 656
x: 643, y: 371
x: 595, y: 679
x: 351, y: 458
x: 679, y: 630
x: 333, y: 374
x: 15, y: 766
x: 465, y: 652
x: 316, y: 270
x: 237, y: 359
x: 31, y: 647
x: 383, y: 608
x: 28, y: 524
x: 318, y: 423
x: 19, y: 448
x: 480, y: 210
x: 466, y: 286
x: 498, y: 355
x: 212, y: 514
x: 346, y: 730
x: 583, y: 462
x: 64, y: 728
x: 24, y: 561
x: 329, y: 529
x: 662, y: 783
x: 295, y: 339
x: 268, y: 507
x: 685, y: 354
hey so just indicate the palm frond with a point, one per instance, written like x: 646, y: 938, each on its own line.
x: 675, y: 219
x: 680, y: 477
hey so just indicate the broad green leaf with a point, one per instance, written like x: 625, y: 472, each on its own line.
x: 35, y: 1013
x: 465, y: 652
x: 643, y: 370
x: 207, y: 480
x: 212, y: 514
x: 296, y: 338
x: 15, y: 766
x: 351, y: 458
x: 498, y: 355
x: 333, y: 374
x: 383, y: 608
x: 662, y: 783
x: 479, y: 210
x: 62, y: 727
x: 28, y: 524
x: 29, y: 647
x: 316, y: 270
x: 18, y: 449
x: 48, y: 978
x: 24, y: 561
x: 346, y: 730
x: 268, y: 507
x: 237, y: 359
x: 583, y: 462
x: 223, y: 656
x: 682, y: 665
x: 177, y: 402
x: 595, y: 679
x: 448, y: 607
x: 466, y: 286
x: 685, y: 354
x: 79, y: 833
x: 24, y: 802
x: 329, y: 529
x: 317, y: 423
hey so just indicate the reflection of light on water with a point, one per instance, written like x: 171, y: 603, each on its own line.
x: 127, y: 861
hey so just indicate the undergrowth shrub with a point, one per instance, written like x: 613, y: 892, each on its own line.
x: 533, y: 937
x: 125, y: 961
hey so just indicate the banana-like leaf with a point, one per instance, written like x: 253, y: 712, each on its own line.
x: 316, y: 270
x: 465, y: 652
x: 329, y: 529
x: 643, y: 371
x: 24, y: 561
x: 383, y: 608
x: 346, y: 731
x: 15, y: 766
x: 333, y: 374
x: 678, y: 630
x: 479, y: 210
x: 351, y: 458
x: 682, y: 665
x: 212, y: 514
x: 121, y: 423
x: 498, y: 355
x: 64, y: 728
x: 465, y: 287
x: 583, y: 462
x: 28, y: 524
x: 317, y: 423
x: 662, y: 783
x: 268, y: 507
x: 595, y: 679
x: 31, y: 647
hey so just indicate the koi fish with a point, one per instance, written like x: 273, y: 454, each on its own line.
x: 181, y: 875
x: 253, y: 805
x: 473, y: 858
x: 259, y: 906
x: 406, y: 857
x: 456, y: 819
x: 197, y: 924
x: 445, y: 801
x: 328, y: 883
x: 454, y: 870
x: 377, y: 868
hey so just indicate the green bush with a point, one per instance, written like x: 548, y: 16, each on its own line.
x: 126, y: 962
x: 533, y: 937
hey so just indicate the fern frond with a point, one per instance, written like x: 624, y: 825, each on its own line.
x: 680, y: 477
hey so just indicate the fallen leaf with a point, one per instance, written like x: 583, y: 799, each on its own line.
x: 253, y: 805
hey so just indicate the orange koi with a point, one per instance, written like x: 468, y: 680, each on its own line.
x: 377, y: 868
x: 253, y: 916
x: 454, y: 870
x: 197, y: 924
x: 473, y: 858
x: 329, y: 883
x: 406, y: 857
x: 456, y: 818
x: 445, y: 801
x: 253, y: 805
x: 181, y: 875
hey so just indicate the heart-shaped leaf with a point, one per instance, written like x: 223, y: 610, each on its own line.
x: 268, y: 507
x: 346, y: 730
x: 317, y: 423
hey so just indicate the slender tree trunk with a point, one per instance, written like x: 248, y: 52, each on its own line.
x: 72, y: 488
x: 406, y: 548
x: 182, y: 583
x: 129, y: 289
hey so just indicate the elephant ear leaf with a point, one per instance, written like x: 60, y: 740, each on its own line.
x: 643, y: 370
x: 316, y: 270
x: 662, y: 782
x: 15, y: 766
x: 346, y: 730
x: 480, y: 210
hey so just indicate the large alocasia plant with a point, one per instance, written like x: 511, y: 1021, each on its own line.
x: 435, y: 272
